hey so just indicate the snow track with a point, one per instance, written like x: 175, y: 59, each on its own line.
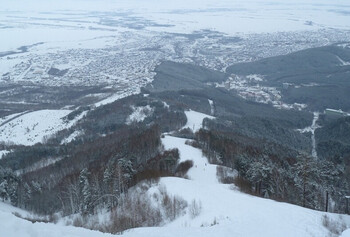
x: 312, y: 129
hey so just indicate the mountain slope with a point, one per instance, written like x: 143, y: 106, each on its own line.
x: 317, y: 77
x: 225, y: 211
x: 214, y: 209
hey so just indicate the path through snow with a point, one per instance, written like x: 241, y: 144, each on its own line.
x: 312, y: 129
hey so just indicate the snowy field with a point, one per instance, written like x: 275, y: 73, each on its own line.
x: 76, y: 23
x: 95, y: 24
x: 31, y: 128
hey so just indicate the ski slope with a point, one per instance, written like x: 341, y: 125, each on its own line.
x: 195, y: 119
x: 225, y: 210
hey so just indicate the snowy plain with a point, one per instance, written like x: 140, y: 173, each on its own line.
x: 51, y: 26
x: 181, y: 16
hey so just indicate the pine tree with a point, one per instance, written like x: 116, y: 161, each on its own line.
x: 259, y: 173
x: 306, y: 181
x: 111, y: 184
x: 126, y: 173
x: 3, y: 190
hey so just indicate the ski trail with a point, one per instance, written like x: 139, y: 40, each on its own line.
x: 212, y: 109
x: 312, y: 129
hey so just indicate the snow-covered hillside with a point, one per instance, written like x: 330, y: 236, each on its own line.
x: 13, y: 226
x: 31, y: 128
x: 225, y: 211
x: 221, y: 209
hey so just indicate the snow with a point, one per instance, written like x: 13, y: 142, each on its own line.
x: 118, y: 96
x: 211, y: 103
x: 342, y: 62
x: 346, y: 233
x: 195, y: 119
x: 3, y: 152
x: 139, y: 114
x: 71, y: 137
x: 255, y: 77
x: 102, y: 42
x: 12, y: 226
x: 7, y: 118
x: 312, y: 129
x: 83, y: 23
x: 53, y: 37
x: 190, y: 153
x: 166, y: 105
x: 187, y: 16
x: 225, y: 210
x: 31, y: 128
x: 63, y: 25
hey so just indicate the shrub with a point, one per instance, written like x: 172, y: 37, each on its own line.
x: 183, y: 168
x: 185, y: 133
x: 137, y: 210
x: 32, y: 218
x: 335, y: 227
x: 173, y: 206
x: 195, y: 208
x: 78, y: 221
